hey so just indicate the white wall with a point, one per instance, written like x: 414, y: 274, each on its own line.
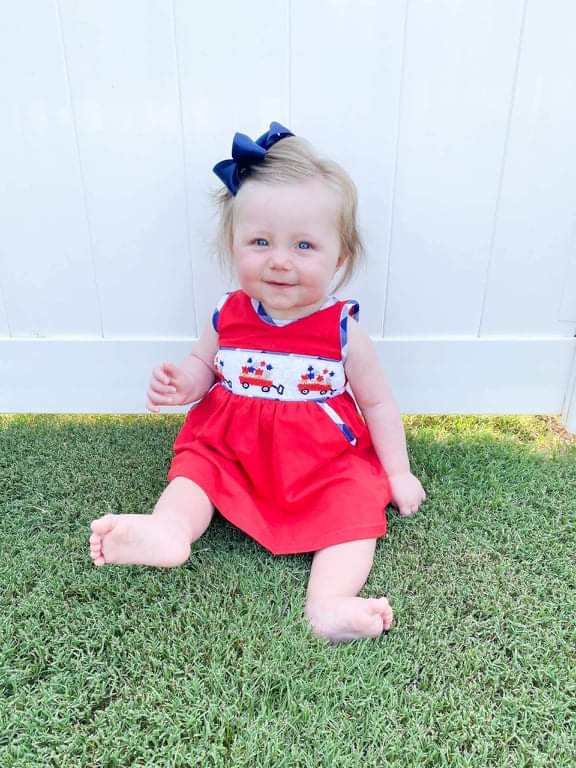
x: 456, y: 118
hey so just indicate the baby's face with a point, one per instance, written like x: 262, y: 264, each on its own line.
x: 286, y: 246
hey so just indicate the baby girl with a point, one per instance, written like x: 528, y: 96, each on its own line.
x: 294, y: 435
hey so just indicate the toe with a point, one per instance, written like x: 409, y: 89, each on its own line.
x: 374, y: 626
x: 103, y: 525
x: 97, y: 555
x: 382, y: 607
x: 95, y: 546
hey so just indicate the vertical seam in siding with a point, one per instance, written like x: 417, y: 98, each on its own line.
x: 5, y: 306
x: 80, y: 165
x: 500, y: 185
x: 395, y: 167
x: 290, y: 60
x: 184, y: 168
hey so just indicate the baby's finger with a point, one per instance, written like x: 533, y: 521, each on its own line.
x: 161, y: 373
x: 170, y: 370
x: 162, y: 389
x: 408, y: 509
x: 159, y: 399
x: 151, y: 406
x: 403, y: 508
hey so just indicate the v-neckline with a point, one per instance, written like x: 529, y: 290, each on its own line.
x: 260, y: 310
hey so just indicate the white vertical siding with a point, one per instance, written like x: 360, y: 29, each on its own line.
x: 47, y: 274
x: 456, y: 119
x: 4, y: 327
x: 345, y: 100
x: 531, y: 287
x: 458, y: 81
x: 124, y: 89
x: 234, y: 65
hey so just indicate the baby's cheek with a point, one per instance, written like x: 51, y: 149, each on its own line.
x: 247, y: 269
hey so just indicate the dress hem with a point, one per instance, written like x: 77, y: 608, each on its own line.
x: 329, y: 539
x: 337, y: 537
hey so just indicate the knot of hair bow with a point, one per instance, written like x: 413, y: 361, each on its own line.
x: 246, y: 153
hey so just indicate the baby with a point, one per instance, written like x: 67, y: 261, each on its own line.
x: 294, y: 435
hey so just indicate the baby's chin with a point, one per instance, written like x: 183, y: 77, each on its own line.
x: 284, y: 308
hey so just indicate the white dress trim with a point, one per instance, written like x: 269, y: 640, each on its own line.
x: 279, y: 376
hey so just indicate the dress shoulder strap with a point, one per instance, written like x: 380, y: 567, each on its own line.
x: 218, y: 309
x: 349, y: 308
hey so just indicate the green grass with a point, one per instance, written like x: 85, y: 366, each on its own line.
x: 211, y: 664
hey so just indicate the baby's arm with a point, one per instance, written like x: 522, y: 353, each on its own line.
x: 376, y: 401
x: 177, y: 385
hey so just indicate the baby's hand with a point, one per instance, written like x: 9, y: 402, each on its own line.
x: 407, y: 493
x: 169, y: 385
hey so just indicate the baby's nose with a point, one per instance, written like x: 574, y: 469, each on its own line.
x: 280, y: 258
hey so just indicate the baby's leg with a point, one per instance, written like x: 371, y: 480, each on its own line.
x: 181, y: 515
x: 332, y: 608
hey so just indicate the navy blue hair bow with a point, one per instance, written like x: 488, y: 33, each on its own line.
x: 245, y: 153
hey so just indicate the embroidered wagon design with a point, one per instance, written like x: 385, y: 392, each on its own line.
x: 259, y: 375
x: 219, y: 370
x: 316, y: 381
x: 278, y: 375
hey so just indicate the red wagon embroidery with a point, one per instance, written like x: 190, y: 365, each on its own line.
x: 253, y: 376
x: 218, y: 369
x: 316, y: 381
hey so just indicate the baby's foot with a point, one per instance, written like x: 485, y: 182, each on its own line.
x: 341, y: 619
x: 138, y: 540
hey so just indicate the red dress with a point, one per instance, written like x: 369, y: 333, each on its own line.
x: 278, y: 444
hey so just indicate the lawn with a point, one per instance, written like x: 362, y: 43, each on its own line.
x: 211, y: 664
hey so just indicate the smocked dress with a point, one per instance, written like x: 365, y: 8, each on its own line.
x: 278, y: 444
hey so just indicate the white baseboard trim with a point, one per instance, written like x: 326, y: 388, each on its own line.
x: 428, y: 375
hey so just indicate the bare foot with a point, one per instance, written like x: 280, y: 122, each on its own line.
x: 341, y: 619
x: 138, y: 540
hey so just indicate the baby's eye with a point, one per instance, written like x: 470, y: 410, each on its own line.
x: 260, y: 241
x: 304, y: 245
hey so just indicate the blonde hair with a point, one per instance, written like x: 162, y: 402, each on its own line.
x: 291, y: 160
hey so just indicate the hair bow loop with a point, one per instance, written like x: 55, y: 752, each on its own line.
x: 246, y: 153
